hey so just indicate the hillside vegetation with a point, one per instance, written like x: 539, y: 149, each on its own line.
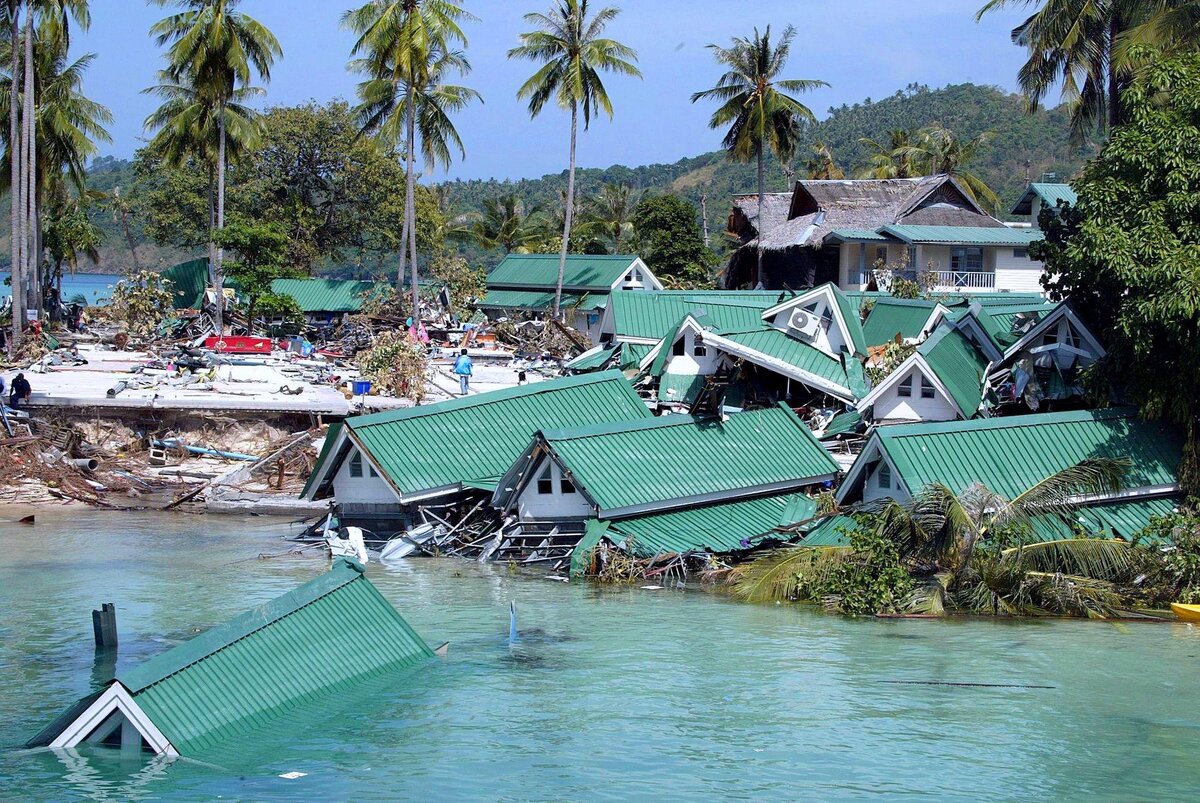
x: 1020, y: 145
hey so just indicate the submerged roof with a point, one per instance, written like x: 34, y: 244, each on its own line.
x: 1011, y: 454
x: 596, y: 273
x: 327, y: 634
x: 678, y: 460
x: 440, y: 446
x: 1048, y: 194
x: 325, y: 295
x: 713, y: 528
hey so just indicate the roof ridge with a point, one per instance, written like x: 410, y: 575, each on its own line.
x: 658, y: 422
x: 1003, y: 422
x: 490, y: 397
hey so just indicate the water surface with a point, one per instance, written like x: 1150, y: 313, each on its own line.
x: 612, y: 693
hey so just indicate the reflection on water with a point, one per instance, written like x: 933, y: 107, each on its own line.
x: 607, y: 692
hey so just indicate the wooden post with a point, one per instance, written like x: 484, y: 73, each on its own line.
x: 104, y: 624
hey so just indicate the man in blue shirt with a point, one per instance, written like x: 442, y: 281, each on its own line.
x: 462, y: 367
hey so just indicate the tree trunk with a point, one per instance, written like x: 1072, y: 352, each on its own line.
x: 218, y: 268
x: 568, y: 215
x: 757, y: 277
x: 16, y: 186
x: 28, y: 113
x: 410, y: 206
x: 1189, y: 460
x: 1114, y: 87
x: 125, y: 225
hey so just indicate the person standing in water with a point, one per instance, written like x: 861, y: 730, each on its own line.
x: 462, y: 367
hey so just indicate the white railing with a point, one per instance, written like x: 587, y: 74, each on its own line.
x: 966, y: 280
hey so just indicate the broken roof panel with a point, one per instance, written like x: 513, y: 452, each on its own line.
x: 896, y: 316
x: 781, y: 350
x: 647, y: 315
x: 726, y: 527
x: 958, y: 365
x: 679, y: 460
x: 438, y: 447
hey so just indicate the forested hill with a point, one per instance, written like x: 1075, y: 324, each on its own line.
x: 1020, y: 144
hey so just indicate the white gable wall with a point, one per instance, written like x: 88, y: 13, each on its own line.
x: 874, y: 490
x: 1017, y: 273
x: 891, y: 406
x: 535, y: 505
x: 829, y: 338
x: 367, y: 488
x: 691, y: 363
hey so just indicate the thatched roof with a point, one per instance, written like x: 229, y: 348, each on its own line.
x: 775, y: 209
x: 817, y: 208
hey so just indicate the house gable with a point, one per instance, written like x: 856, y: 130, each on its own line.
x: 912, y: 392
x: 831, y: 324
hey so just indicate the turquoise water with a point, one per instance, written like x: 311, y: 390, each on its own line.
x: 613, y: 693
x: 93, y: 286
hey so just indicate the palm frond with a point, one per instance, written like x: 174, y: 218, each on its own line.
x: 776, y: 576
x: 1096, y: 558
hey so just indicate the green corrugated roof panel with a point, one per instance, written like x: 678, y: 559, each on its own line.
x: 895, y: 316
x: 1011, y: 454
x: 435, y: 446
x: 327, y: 634
x: 331, y: 437
x: 1122, y: 519
x: 852, y: 313
x: 842, y: 424
x: 325, y: 295
x: 1049, y: 194
x: 964, y: 235
x: 713, y: 528
x: 188, y: 282
x: 1003, y: 299
x: 593, y: 359
x: 829, y: 532
x: 528, y: 299
x: 866, y: 235
x: 632, y: 355
x: 674, y: 458
x: 648, y: 314
x: 582, y: 271
x: 958, y: 365
x: 680, y: 388
x: 779, y: 345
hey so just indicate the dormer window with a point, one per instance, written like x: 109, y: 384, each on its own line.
x: 927, y: 389
x: 679, y: 348
x: 885, y: 476
x: 356, y: 463
x: 904, y: 389
x: 545, y: 483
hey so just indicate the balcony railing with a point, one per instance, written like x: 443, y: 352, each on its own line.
x: 966, y: 280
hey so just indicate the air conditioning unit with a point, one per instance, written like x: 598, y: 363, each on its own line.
x: 804, y: 323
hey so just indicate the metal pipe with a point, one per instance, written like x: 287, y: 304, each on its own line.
x: 175, y: 444
x: 86, y: 463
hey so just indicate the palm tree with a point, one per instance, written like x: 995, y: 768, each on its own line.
x: 12, y: 10
x: 121, y: 210
x: 1076, y: 44
x: 938, y: 151
x: 572, y: 53
x: 892, y: 160
x: 756, y: 106
x: 821, y: 165
x: 952, y: 543
x: 408, y: 49
x: 611, y: 213
x: 403, y: 110
x: 215, y: 50
x: 506, y: 223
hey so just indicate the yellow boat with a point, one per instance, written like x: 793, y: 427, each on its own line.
x: 1186, y: 613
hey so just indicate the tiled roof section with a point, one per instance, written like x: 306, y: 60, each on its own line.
x: 665, y: 462
x: 535, y: 299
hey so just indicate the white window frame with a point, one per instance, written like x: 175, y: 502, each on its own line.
x: 904, y: 388
x: 884, y: 476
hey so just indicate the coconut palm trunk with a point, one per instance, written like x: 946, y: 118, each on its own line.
x: 16, y: 186
x: 218, y: 267
x: 569, y: 213
x: 757, y: 277
x: 28, y: 147
x: 410, y: 213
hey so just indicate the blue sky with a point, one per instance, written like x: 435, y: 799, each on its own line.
x: 864, y: 48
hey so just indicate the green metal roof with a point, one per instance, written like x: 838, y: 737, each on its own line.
x: 964, y: 235
x: 532, y: 299
x: 829, y: 532
x: 582, y: 271
x: 632, y: 355
x: 896, y: 316
x: 713, y: 528
x: 325, y: 295
x: 852, y: 313
x: 1011, y: 454
x: 648, y: 314
x: 1050, y: 195
x: 442, y: 445
x: 680, y: 388
x: 842, y: 424
x: 593, y: 359
x: 868, y: 235
x: 188, y: 282
x: 778, y: 345
x: 664, y: 461
x: 958, y: 365
x: 324, y: 635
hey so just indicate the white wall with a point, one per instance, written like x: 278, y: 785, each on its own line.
x: 848, y: 262
x: 533, y: 506
x: 829, y: 338
x: 1018, y: 274
x: 872, y: 490
x: 361, y: 489
x: 590, y: 328
x: 891, y: 406
x: 688, y: 363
